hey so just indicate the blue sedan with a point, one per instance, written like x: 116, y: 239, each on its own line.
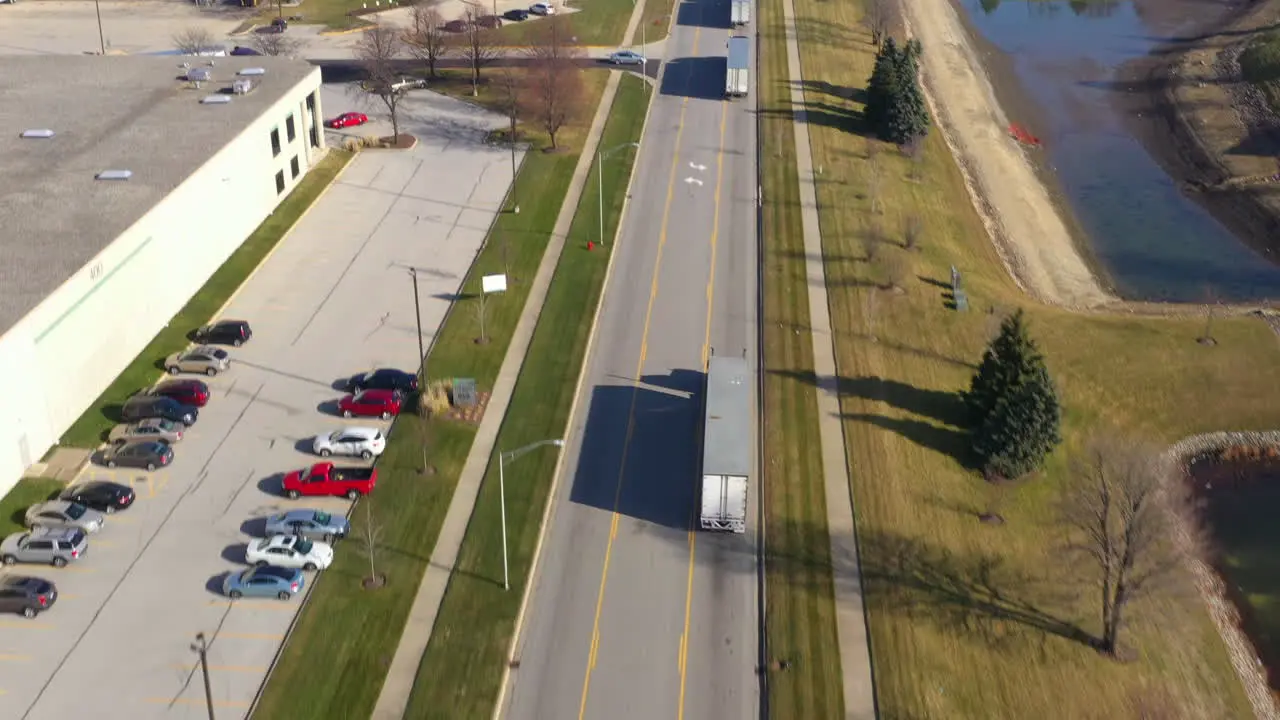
x: 266, y: 581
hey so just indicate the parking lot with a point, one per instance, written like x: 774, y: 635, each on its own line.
x: 334, y: 299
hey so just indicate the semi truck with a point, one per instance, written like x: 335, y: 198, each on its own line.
x: 726, y: 445
x: 737, y: 78
x: 740, y: 12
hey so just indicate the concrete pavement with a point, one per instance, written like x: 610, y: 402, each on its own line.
x: 633, y: 614
x: 851, y: 625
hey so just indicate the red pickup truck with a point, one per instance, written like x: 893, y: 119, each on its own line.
x: 328, y: 479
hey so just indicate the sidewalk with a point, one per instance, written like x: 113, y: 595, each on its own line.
x: 851, y: 626
x: 398, y: 685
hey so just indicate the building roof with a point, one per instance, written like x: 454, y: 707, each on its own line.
x: 131, y: 113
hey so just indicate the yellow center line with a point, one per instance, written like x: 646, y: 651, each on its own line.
x: 14, y: 658
x: 631, y: 412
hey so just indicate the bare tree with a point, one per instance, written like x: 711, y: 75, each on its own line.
x: 193, y: 40
x: 914, y: 149
x: 912, y: 231
x: 1210, y: 304
x: 897, y: 272
x: 479, y: 45
x: 426, y: 37
x: 275, y: 44
x: 879, y: 19
x: 1125, y: 518
x: 555, y: 90
x: 377, y: 51
x: 370, y: 537
x: 873, y: 175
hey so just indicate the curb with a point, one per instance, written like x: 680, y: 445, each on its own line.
x: 351, y: 31
x: 555, y: 478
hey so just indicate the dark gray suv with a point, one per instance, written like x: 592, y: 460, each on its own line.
x: 141, y: 407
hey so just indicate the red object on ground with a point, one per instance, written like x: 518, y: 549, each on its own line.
x: 1020, y: 134
x: 591, y: 244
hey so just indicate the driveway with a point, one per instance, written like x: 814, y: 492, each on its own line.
x: 334, y: 299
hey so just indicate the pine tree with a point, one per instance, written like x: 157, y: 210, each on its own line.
x: 880, y: 88
x: 1013, y: 405
x: 907, y: 117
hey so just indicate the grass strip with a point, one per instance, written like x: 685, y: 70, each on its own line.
x: 354, y: 632
x: 93, y: 425
x: 461, y: 670
x: 602, y: 22
x: 800, y: 620
x: 29, y: 491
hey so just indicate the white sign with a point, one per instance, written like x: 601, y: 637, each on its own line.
x: 493, y: 284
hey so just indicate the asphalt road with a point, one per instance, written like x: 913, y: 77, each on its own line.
x: 633, y: 615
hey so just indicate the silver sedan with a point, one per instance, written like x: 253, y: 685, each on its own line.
x: 149, y: 429
x: 64, y: 514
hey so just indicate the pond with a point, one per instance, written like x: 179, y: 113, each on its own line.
x: 1153, y: 241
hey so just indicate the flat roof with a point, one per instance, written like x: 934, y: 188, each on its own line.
x: 726, y: 442
x: 130, y: 113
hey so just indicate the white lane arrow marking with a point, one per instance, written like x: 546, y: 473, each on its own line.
x: 699, y: 168
x: 693, y: 180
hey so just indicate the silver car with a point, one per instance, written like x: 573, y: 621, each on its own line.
x: 55, y: 547
x: 63, y: 514
x: 200, y: 359
x: 149, y: 429
x: 309, y: 524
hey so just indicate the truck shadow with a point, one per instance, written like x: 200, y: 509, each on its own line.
x: 701, y: 78
x: 640, y: 449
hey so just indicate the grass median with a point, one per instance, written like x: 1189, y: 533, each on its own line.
x: 354, y: 632
x: 461, y: 670
x: 961, y: 614
x: 28, y: 492
x: 91, y: 428
x: 602, y: 22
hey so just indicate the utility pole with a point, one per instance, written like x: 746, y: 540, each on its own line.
x: 417, y: 316
x: 102, y: 42
x: 201, y: 647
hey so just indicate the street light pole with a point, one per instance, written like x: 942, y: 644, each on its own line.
x: 600, y: 156
x: 201, y: 646
x: 417, y: 315
x: 503, y: 459
x: 102, y: 42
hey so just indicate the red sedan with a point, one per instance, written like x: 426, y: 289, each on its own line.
x: 371, y: 403
x: 350, y: 119
x: 187, y: 392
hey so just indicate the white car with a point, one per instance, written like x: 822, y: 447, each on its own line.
x: 289, y: 551
x: 363, y: 441
x: 626, y: 57
x: 542, y: 9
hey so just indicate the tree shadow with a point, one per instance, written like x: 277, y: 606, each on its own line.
x: 846, y: 92
x: 953, y: 443
x: 823, y: 115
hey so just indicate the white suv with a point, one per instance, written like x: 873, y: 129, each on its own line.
x: 366, y: 442
x: 542, y: 9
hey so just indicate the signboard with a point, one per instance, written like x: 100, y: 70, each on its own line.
x: 464, y: 392
x: 493, y: 283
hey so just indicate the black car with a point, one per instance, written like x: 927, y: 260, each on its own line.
x: 141, y: 407
x: 383, y: 379
x: 100, y: 495
x: 27, y: 596
x: 238, y: 50
x: 225, y: 332
x: 148, y: 454
x: 518, y: 14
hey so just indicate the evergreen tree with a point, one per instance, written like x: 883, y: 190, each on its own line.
x: 907, y: 117
x: 880, y: 88
x: 1012, y: 403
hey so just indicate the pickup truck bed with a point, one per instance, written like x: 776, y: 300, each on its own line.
x: 329, y: 479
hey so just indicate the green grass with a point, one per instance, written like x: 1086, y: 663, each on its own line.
x: 28, y: 492
x: 600, y: 22
x: 1260, y: 65
x: 355, y: 631
x: 91, y: 428
x: 800, y: 622
x: 460, y: 673
x: 334, y: 14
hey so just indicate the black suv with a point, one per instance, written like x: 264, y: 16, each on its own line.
x: 28, y: 596
x: 225, y: 332
x: 141, y: 407
x: 383, y: 379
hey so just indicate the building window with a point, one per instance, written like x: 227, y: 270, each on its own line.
x: 311, y: 103
x: 289, y: 128
x: 293, y: 165
x: 315, y: 137
x: 275, y: 142
x: 279, y: 182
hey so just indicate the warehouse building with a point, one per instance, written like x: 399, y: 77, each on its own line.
x: 125, y: 182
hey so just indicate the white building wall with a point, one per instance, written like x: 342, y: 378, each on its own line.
x: 75, y: 343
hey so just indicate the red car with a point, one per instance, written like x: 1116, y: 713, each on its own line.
x: 187, y: 392
x: 350, y: 119
x: 371, y: 403
x: 329, y: 479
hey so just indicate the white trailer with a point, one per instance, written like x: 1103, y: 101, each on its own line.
x: 737, y: 77
x: 740, y: 12
x: 726, y: 445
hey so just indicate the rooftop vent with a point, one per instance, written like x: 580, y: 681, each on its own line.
x: 252, y: 71
x: 199, y: 74
x: 216, y: 100
x: 242, y: 86
x: 114, y: 175
x: 37, y: 133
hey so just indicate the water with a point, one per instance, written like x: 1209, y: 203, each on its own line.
x: 1155, y: 243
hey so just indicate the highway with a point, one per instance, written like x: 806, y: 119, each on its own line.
x: 635, y: 616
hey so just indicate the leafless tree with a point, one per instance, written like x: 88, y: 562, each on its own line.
x: 897, y: 271
x: 192, y: 40
x: 914, y: 149
x: 370, y: 538
x: 555, y: 90
x: 479, y: 45
x: 873, y: 176
x: 377, y: 51
x: 1210, y: 304
x: 426, y: 37
x: 912, y: 231
x: 275, y: 44
x: 879, y: 18
x: 1129, y: 522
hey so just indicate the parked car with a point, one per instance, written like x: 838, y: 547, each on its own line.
x: 239, y: 50
x: 455, y: 26
x: 289, y: 551
x: 267, y: 581
x: 626, y: 57
x: 542, y: 9
x: 309, y: 524
x: 225, y: 332
x: 186, y: 391
x: 348, y: 119
x: 363, y: 441
x: 489, y: 22
x: 148, y: 454
x: 141, y: 407
x: 517, y: 15
x: 408, y: 83
x: 371, y: 403
x: 383, y: 379
x: 46, y: 545
x: 200, y: 359
x: 328, y: 479
x: 63, y: 514
x: 149, y: 429
x: 100, y: 495
x: 27, y: 596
